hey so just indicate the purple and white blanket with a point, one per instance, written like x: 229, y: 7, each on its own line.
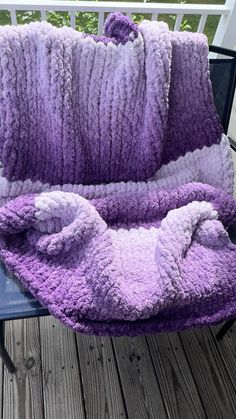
x: 116, y: 190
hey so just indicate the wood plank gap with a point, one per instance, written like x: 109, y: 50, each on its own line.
x: 119, y: 377
x: 61, y: 380
x: 190, y: 367
x: 213, y: 381
x: 102, y: 393
x: 141, y: 390
x: 227, y: 350
x: 40, y: 356
x: 161, y: 391
x: 176, y: 382
x: 80, y: 375
x: 192, y: 370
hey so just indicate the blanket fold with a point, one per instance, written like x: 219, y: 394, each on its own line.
x: 118, y: 273
x: 116, y: 191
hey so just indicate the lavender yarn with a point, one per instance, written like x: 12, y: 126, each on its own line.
x: 99, y: 277
x: 97, y: 112
x: 116, y: 198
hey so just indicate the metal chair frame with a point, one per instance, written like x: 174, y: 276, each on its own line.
x: 225, y: 122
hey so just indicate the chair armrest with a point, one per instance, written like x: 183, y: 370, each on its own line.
x: 232, y: 143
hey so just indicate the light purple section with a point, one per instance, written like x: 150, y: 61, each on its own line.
x: 91, y: 112
x: 92, y: 275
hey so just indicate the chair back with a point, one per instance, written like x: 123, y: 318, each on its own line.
x: 223, y: 78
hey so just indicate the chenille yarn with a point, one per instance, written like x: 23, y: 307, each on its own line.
x: 89, y: 112
x: 125, y: 264
x: 116, y: 193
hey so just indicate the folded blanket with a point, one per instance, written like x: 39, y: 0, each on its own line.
x: 126, y: 263
x: 116, y: 193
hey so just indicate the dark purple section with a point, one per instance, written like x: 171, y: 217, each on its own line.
x: 192, y: 118
x: 120, y: 27
x: 117, y: 29
x: 17, y: 215
x: 150, y: 208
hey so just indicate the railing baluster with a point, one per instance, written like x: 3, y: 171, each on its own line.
x: 202, y: 23
x: 225, y: 31
x: 72, y: 20
x: 223, y: 35
x: 178, y: 22
x: 13, y: 17
x: 43, y: 15
x: 100, y: 22
x: 154, y: 16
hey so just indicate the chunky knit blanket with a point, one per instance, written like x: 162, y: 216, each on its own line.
x: 116, y: 190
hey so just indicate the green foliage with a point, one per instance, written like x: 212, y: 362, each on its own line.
x: 58, y: 19
x: 5, y: 18
x: 27, y: 17
x: 85, y: 22
x: 88, y: 22
x: 185, y: 26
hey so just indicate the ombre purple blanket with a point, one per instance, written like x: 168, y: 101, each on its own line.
x: 117, y: 182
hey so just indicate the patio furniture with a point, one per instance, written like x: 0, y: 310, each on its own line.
x: 16, y: 303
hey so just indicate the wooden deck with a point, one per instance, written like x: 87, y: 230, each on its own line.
x: 66, y: 376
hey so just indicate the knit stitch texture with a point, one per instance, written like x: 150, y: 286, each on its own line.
x: 126, y: 264
x: 116, y: 191
x: 93, y: 112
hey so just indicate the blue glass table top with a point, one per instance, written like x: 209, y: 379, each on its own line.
x: 15, y: 302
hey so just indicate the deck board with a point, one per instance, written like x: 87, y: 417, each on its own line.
x: 140, y: 387
x: 227, y: 351
x: 63, y: 375
x: 101, y: 387
x: 177, y: 385
x: 213, y: 382
x: 62, y: 389
x: 22, y: 393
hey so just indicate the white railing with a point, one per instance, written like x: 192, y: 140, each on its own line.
x: 225, y: 34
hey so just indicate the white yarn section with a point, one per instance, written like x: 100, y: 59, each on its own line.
x: 10, y: 190
x: 212, y: 165
x: 68, y: 218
